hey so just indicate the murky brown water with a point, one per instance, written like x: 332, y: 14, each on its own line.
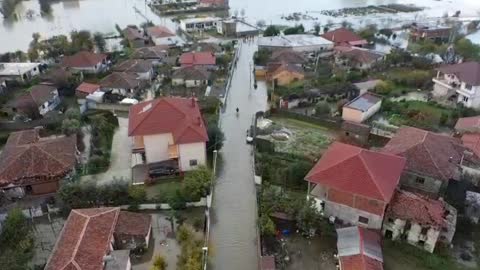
x: 102, y: 15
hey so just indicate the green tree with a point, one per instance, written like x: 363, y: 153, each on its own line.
x: 196, y: 183
x: 467, y: 49
x: 322, y: 108
x: 384, y: 87
x: 16, y: 242
x: 308, y: 218
x: 45, y: 7
x: 80, y: 41
x: 298, y: 29
x: 159, y: 263
x: 215, y: 138
x: 267, y: 227
x: 271, y: 30
x: 100, y: 42
x: 70, y: 126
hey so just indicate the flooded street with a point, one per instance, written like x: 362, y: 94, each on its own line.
x: 234, y: 234
x: 102, y: 15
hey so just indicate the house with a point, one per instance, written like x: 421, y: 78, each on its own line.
x: 85, y: 89
x: 459, y: 83
x: 298, y: 43
x: 156, y: 54
x: 161, y: 35
x: 39, y: 100
x: 468, y: 124
x: 356, y: 58
x: 355, y: 133
x: 33, y: 165
x: 354, y: 184
x: 87, y: 62
x: 236, y: 28
x: 287, y: 56
x: 192, y: 76
x: 136, y: 37
x: 93, y: 238
x: 19, y: 72
x: 206, y: 59
x: 433, y: 160
x: 143, y: 69
x: 420, y: 220
x: 362, y: 107
x: 212, y: 3
x: 122, y: 83
x: 359, y: 249
x: 472, y: 206
x: 344, y: 37
x: 199, y: 24
x: 282, y: 74
x: 168, y: 130
x: 439, y: 34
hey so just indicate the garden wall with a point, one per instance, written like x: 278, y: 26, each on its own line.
x: 329, y: 122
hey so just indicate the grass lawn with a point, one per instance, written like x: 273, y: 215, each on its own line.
x: 307, y: 139
x: 401, y: 256
x: 163, y: 189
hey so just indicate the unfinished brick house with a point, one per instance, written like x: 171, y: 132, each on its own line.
x: 354, y: 184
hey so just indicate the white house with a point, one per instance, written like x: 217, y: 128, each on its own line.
x: 168, y: 130
x: 362, y: 107
x: 192, y: 76
x: 199, y: 24
x: 41, y: 99
x: 20, y: 72
x: 459, y: 83
x: 87, y: 62
x: 298, y: 43
x: 161, y: 35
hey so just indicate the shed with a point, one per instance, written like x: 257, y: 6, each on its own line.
x: 362, y: 107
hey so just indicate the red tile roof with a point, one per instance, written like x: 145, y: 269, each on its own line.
x: 468, y: 72
x: 468, y: 124
x: 191, y: 73
x: 360, y: 55
x: 87, y: 235
x: 415, y: 208
x: 83, y: 59
x: 427, y: 153
x: 472, y: 142
x: 136, y: 224
x: 88, y: 88
x: 37, y: 95
x: 197, y: 58
x: 159, y: 32
x: 28, y: 159
x: 344, y: 36
x: 179, y: 116
x: 287, y: 56
x: 358, y: 171
x: 84, y: 240
x: 360, y: 262
x: 121, y: 80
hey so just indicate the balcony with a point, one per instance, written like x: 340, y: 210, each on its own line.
x: 173, y: 151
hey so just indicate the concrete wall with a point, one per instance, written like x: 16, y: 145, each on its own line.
x: 430, y: 185
x: 439, y: 90
x: 350, y: 114
x: 413, y: 235
x: 156, y: 147
x: 195, y: 83
x: 192, y: 151
x: 91, y: 70
x: 178, y: 81
x: 351, y: 215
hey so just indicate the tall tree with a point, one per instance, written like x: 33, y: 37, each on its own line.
x: 100, y: 42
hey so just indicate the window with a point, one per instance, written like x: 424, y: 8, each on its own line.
x: 193, y: 162
x: 424, y: 230
x: 420, y: 180
x: 421, y: 243
x: 363, y: 220
x: 465, y: 99
x: 390, y: 220
x: 468, y: 86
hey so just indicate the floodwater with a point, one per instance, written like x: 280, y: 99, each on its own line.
x: 102, y: 15
x: 233, y: 242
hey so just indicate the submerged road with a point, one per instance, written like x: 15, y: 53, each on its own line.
x: 233, y: 242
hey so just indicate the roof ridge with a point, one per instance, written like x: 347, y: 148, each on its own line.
x: 370, y: 172
x: 342, y: 160
x: 431, y: 157
x: 41, y: 149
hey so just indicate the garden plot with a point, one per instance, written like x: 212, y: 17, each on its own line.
x: 300, y: 138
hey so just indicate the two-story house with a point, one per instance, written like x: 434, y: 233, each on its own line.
x: 433, y: 160
x: 354, y: 184
x: 459, y: 83
x: 168, y: 130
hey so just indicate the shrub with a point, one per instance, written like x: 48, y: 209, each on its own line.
x: 322, y: 108
x: 384, y: 87
x: 159, y: 263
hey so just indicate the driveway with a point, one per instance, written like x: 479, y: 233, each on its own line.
x: 120, y: 158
